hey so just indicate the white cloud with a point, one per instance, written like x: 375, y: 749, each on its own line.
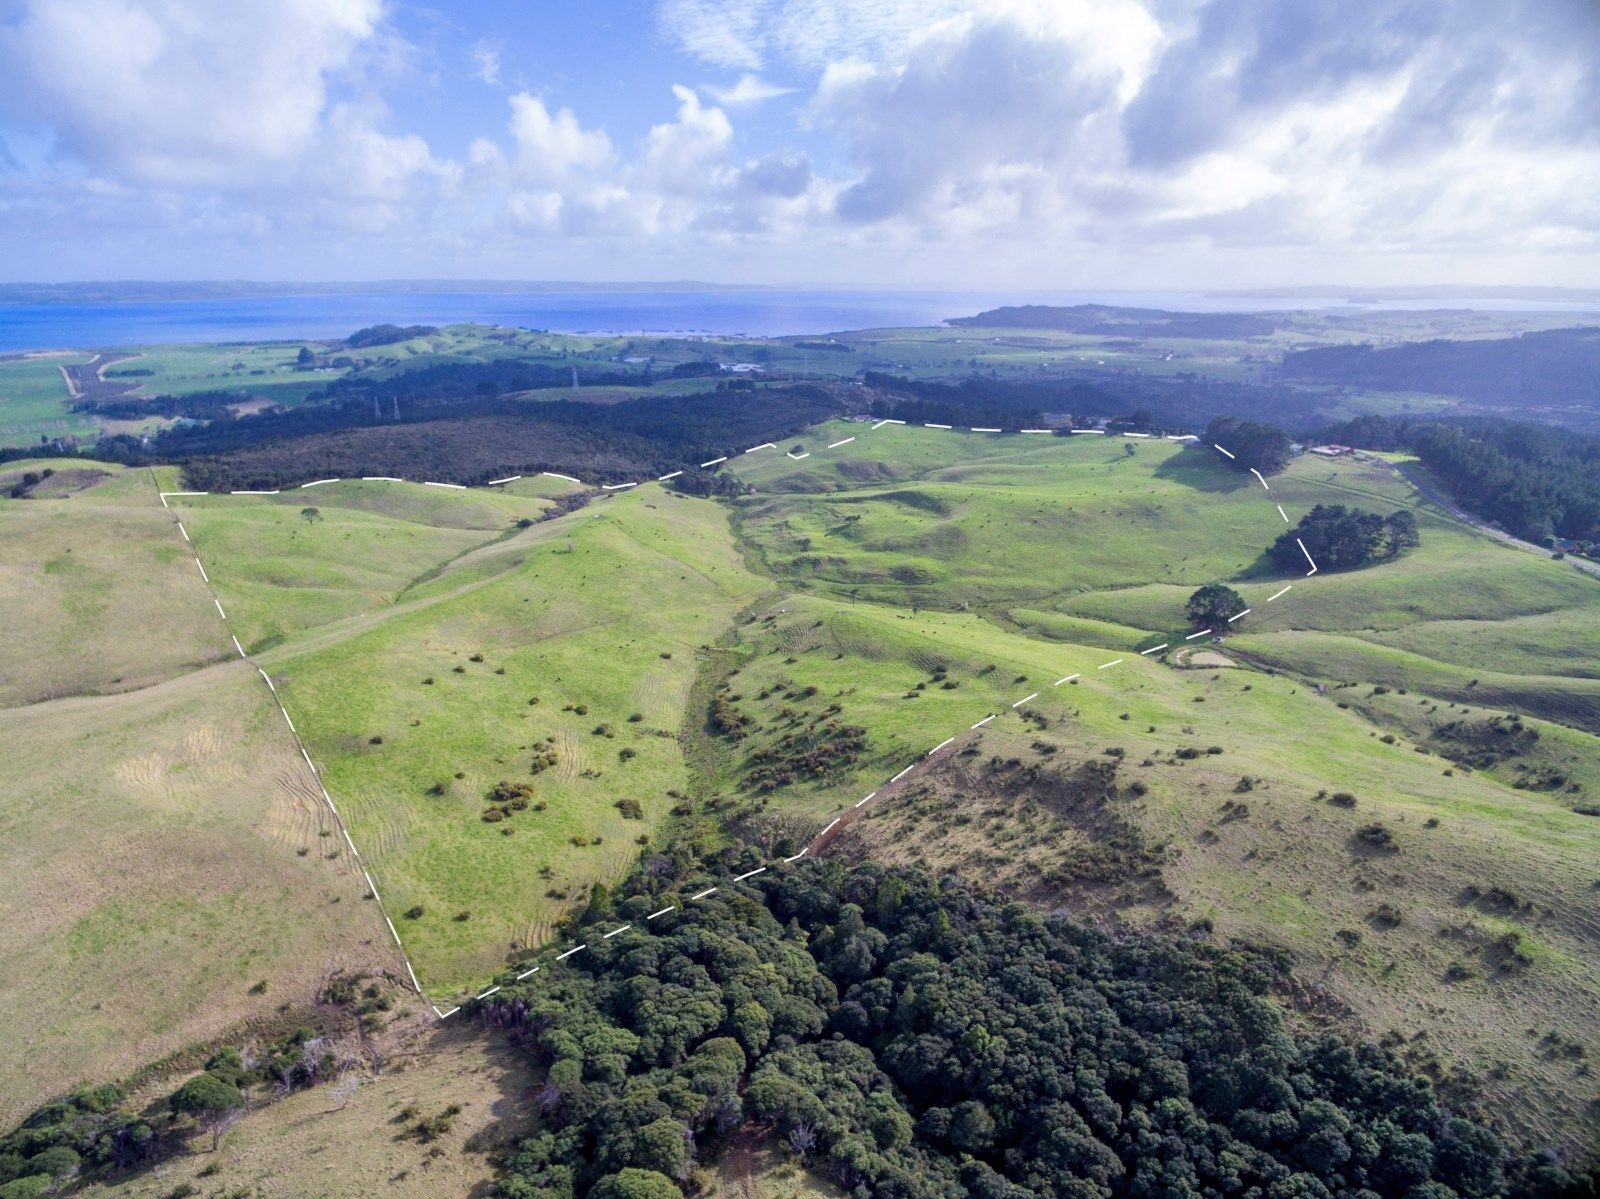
x: 486, y: 61
x: 555, y: 146
x: 178, y: 92
x: 751, y: 89
x: 747, y: 34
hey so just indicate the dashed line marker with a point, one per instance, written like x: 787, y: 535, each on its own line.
x: 1307, y: 553
x: 703, y: 894
x: 617, y: 486
x: 218, y: 603
x: 1220, y: 450
x: 829, y: 827
x: 930, y: 425
x: 492, y: 482
x: 1246, y: 612
x: 901, y: 775
x: 664, y: 478
x: 765, y: 445
x: 1257, y: 474
x: 1136, y: 435
x: 238, y: 647
x: 1064, y: 679
x: 317, y: 483
x: 286, y: 719
x: 263, y: 674
x: 1108, y: 665
x: 1036, y: 430
x: 561, y: 957
x: 203, y: 574
x: 975, y: 429
x: 1025, y: 699
x: 489, y: 992
x: 550, y: 474
x: 869, y: 795
x: 451, y: 486
x: 1154, y: 649
x: 415, y: 985
x: 662, y: 912
x: 1285, y: 591
x: 185, y: 493
x: 447, y: 1015
x: 1282, y: 513
x: 527, y: 974
x: 1201, y: 633
x: 357, y: 853
x: 615, y: 931
x: 983, y: 722
x: 714, y: 461
x: 1088, y: 430
x: 846, y: 441
x: 797, y: 457
x: 254, y: 492
x: 307, y: 757
x: 935, y: 749
x: 392, y: 479
x: 802, y: 853
x: 749, y: 874
x: 183, y: 530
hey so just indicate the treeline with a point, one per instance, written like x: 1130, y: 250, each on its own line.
x: 1250, y: 444
x: 1341, y: 538
x: 1537, y: 482
x: 200, y: 405
x: 387, y: 335
x: 1558, y: 367
x: 910, y: 1040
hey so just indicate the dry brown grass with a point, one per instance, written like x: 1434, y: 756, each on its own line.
x: 99, y: 593
x: 307, y: 1147
x: 151, y: 869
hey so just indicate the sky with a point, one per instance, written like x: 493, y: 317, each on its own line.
x: 1041, y: 144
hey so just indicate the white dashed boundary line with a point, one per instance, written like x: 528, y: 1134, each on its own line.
x: 372, y: 890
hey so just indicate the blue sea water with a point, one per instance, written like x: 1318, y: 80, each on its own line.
x: 755, y: 313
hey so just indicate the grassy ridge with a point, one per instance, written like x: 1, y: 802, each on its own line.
x: 611, y: 625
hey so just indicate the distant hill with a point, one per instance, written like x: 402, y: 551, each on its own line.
x: 1556, y: 367
x: 1122, y: 322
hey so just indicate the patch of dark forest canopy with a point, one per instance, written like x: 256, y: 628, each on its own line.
x: 909, y: 1040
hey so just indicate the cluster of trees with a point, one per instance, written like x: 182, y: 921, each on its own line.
x: 200, y: 405
x: 88, y: 1129
x: 911, y: 1040
x: 1252, y: 444
x: 387, y: 335
x: 1341, y: 538
x: 984, y: 402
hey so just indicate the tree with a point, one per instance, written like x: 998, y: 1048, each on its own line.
x: 345, y: 1089
x: 1401, y: 530
x: 311, y: 515
x: 633, y: 1183
x: 214, y: 1104
x: 305, y: 358
x: 1213, y: 605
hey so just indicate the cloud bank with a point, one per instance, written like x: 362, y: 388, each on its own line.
x: 852, y: 139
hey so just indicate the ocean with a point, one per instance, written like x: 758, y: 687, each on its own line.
x: 754, y: 313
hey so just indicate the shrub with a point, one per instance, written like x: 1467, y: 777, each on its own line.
x: 415, y: 912
x: 630, y: 809
x: 1342, y: 799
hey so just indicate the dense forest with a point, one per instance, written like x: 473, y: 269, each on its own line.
x: 1559, y: 367
x: 1537, y: 482
x: 912, y: 1040
x: 471, y: 441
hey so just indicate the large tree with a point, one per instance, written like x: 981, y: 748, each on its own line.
x: 1213, y: 605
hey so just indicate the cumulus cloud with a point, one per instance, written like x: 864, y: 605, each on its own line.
x: 746, y: 34
x: 180, y: 91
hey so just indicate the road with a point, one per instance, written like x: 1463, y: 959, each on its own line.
x: 1434, y: 495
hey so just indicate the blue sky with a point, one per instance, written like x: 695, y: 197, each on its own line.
x: 890, y: 143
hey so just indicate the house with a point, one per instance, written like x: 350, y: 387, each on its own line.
x: 1332, y: 451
